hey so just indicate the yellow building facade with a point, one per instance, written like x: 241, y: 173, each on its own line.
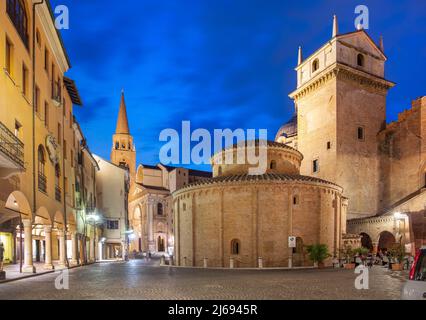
x: 43, y: 154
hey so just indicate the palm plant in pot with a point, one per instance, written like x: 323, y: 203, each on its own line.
x: 318, y: 253
x: 398, y: 253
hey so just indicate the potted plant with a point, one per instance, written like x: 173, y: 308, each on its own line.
x: 398, y: 253
x: 348, y: 253
x: 318, y: 253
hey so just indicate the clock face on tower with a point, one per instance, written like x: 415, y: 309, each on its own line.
x: 52, y: 149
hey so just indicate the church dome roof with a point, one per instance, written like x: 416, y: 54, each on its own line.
x: 288, y: 129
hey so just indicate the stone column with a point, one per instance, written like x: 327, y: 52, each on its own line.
x: 74, y: 248
x: 151, y: 243
x: 91, y: 251
x: 28, y: 266
x: 48, y: 239
x: 62, y: 253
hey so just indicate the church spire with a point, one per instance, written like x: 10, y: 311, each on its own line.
x: 122, y: 121
x: 335, y: 26
x: 300, y: 57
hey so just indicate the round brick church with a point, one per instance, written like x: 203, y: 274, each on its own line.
x: 236, y: 217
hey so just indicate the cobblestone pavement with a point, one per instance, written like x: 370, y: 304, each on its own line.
x: 141, y: 280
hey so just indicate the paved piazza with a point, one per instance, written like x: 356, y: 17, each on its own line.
x: 137, y: 280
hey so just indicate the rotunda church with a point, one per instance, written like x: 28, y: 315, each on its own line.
x: 235, y: 218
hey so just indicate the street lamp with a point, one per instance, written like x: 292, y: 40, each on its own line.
x: 96, y: 219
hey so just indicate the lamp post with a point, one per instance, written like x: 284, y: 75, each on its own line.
x: 97, y: 220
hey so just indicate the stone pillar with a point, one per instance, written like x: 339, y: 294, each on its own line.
x: 48, y: 239
x: 74, y: 259
x: 91, y: 251
x: 231, y: 263
x: 375, y: 247
x: 151, y: 243
x: 62, y: 253
x: 260, y: 262
x: 28, y: 266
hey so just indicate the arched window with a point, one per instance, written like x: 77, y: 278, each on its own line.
x: 42, y: 181
x: 315, y: 65
x: 18, y: 14
x: 235, y: 247
x: 160, y: 209
x: 273, y: 165
x: 41, y: 160
x: 117, y: 145
x: 360, y: 60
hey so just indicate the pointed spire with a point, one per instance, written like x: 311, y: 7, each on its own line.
x: 122, y: 122
x: 335, y: 26
x: 300, y: 58
x: 381, y: 44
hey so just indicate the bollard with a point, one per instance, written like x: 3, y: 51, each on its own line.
x: 171, y: 261
x: 231, y: 263
x: 162, y: 261
x: 260, y: 260
x: 205, y: 262
x: 184, y: 261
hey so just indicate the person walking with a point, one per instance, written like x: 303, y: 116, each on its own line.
x: 1, y: 255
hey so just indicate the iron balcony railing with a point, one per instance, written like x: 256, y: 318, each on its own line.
x: 58, y: 193
x: 42, y: 182
x: 11, y: 146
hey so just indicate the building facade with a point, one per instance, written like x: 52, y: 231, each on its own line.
x: 41, y: 148
x: 150, y: 209
x: 236, y: 219
x: 112, y: 187
x: 340, y: 127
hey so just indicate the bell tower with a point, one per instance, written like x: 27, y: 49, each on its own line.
x: 341, y: 107
x: 123, y: 150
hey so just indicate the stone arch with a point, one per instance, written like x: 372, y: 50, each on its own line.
x: 58, y: 220
x: 386, y: 240
x: 42, y: 217
x: 366, y: 241
x: 161, y: 228
x: 72, y: 225
x: 17, y: 202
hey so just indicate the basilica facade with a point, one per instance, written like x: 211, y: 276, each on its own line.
x: 150, y: 210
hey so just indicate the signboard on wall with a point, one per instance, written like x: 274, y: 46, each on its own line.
x: 292, y: 242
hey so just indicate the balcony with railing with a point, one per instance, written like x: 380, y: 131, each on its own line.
x: 11, y: 150
x: 42, y: 182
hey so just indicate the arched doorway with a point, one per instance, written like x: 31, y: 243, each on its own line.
x: 386, y: 240
x: 298, y: 253
x: 366, y: 241
x: 160, y: 244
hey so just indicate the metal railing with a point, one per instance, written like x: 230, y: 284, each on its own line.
x: 42, y: 182
x: 11, y: 146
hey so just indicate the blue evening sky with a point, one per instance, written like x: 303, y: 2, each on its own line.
x: 219, y: 64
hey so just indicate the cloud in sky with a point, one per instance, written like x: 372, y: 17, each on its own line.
x: 217, y: 63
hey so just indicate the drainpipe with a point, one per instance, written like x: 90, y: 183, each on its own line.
x: 35, y: 4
